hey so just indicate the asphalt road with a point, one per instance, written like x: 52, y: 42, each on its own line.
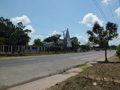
x: 16, y: 70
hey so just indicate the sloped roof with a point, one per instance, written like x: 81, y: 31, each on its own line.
x: 67, y: 39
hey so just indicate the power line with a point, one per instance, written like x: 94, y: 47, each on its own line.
x: 39, y: 24
x: 99, y: 8
x: 111, y: 10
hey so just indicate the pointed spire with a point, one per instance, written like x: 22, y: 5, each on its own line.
x: 67, y: 38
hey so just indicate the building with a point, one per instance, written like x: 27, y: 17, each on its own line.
x: 61, y: 41
x: 67, y: 39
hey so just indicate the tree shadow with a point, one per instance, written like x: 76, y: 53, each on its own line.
x: 108, y: 62
x: 103, y: 62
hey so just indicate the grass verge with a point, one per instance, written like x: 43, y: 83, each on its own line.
x: 81, y: 65
x: 37, y: 54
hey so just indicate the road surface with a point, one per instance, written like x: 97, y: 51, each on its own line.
x: 16, y: 70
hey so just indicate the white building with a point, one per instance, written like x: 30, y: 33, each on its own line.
x: 67, y: 39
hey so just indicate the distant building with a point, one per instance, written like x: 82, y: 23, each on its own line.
x: 67, y: 39
x: 48, y: 44
x: 96, y: 47
x: 61, y: 41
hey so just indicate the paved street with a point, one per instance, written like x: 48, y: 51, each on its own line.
x: 17, y: 70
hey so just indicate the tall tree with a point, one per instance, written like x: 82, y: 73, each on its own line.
x: 38, y: 42
x: 13, y: 35
x: 102, y: 37
x: 55, y: 39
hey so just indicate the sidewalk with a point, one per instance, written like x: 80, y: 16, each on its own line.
x: 47, y: 82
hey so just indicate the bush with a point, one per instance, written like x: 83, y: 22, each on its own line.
x: 18, y: 51
x: 118, y: 51
x: 61, y: 49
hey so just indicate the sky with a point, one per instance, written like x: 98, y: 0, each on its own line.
x: 49, y: 17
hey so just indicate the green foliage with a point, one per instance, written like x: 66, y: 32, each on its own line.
x: 75, y: 43
x: 18, y: 51
x: 85, y: 47
x: 11, y: 34
x: 118, y: 51
x: 100, y: 36
x: 38, y: 42
x: 81, y: 65
x: 52, y: 38
x: 61, y: 49
x: 113, y: 47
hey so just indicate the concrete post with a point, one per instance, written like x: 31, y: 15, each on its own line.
x: 41, y: 49
x: 24, y: 49
x: 8, y: 48
x: 27, y: 49
x: 18, y: 47
x: 38, y: 49
x: 44, y: 49
x: 30, y: 49
x: 21, y: 48
x: 15, y: 48
x: 3, y: 48
x: 11, y: 48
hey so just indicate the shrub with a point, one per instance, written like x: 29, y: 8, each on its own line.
x: 18, y: 51
x: 118, y: 51
x: 61, y: 49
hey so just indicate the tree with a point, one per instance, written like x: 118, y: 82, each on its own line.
x: 75, y: 43
x: 113, y: 47
x: 38, y: 42
x: 118, y: 51
x: 48, y: 39
x: 102, y: 37
x: 13, y: 35
x: 85, y: 47
x: 53, y: 38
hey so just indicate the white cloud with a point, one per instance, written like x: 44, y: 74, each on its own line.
x: 90, y: 19
x: 118, y: 11
x: 55, y: 32
x: 32, y: 35
x: 24, y: 19
x: 105, y: 1
x: 30, y: 28
x: 81, y: 39
x: 115, y: 41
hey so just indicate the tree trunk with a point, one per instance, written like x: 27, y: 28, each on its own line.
x: 106, y: 55
x: 13, y: 47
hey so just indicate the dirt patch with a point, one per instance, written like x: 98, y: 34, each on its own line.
x: 109, y: 71
x: 83, y: 83
x: 105, y: 76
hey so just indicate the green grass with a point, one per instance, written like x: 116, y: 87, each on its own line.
x: 85, y: 70
x: 81, y: 65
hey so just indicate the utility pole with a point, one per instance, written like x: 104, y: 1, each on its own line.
x: 64, y: 40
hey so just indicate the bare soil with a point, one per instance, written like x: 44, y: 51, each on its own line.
x: 105, y: 75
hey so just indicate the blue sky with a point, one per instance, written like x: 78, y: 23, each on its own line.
x: 49, y: 17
